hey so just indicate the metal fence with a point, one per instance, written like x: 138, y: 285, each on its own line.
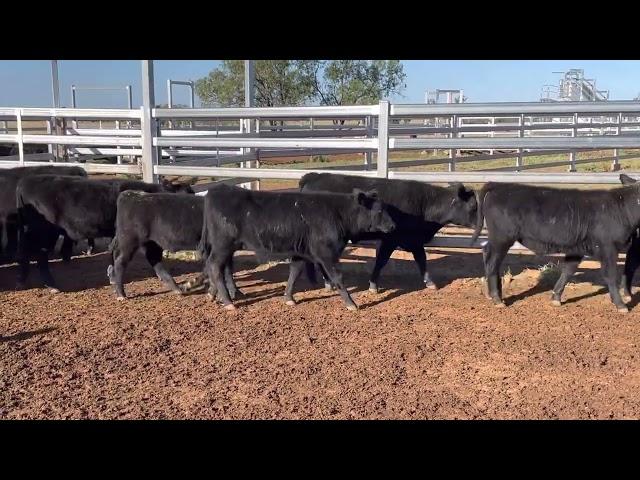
x: 220, y: 142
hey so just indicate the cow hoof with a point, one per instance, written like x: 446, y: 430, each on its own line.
x: 431, y: 286
x: 290, y: 302
x: 353, y: 308
x: 210, y: 297
x: 626, y: 298
x: 231, y: 307
x: 177, y: 292
x: 373, y: 290
x: 484, y: 288
x: 499, y: 304
x: 54, y: 290
x: 556, y: 303
x: 623, y: 309
x: 120, y: 298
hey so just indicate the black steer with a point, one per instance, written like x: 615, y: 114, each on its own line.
x: 9, y: 179
x: 79, y: 207
x: 312, y: 227
x: 632, y: 261
x: 151, y: 223
x: 418, y: 210
x: 577, y: 223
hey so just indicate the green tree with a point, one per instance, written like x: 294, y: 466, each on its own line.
x: 278, y: 83
x: 357, y: 82
x: 299, y: 82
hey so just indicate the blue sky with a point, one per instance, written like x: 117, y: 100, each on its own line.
x: 28, y: 83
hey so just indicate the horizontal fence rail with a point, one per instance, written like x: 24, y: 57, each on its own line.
x: 234, y: 145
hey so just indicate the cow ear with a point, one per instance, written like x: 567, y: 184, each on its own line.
x: 359, y: 195
x: 627, y: 180
x: 461, y: 190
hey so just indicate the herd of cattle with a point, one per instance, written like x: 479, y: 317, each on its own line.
x: 311, y: 227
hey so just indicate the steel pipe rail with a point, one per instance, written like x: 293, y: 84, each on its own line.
x: 92, y: 113
x: 529, y: 142
x: 514, y: 108
x: 269, y: 112
x: 514, y: 177
x: 105, y: 151
x: 357, y: 144
x: 89, y: 167
x: 262, y: 173
x: 81, y: 140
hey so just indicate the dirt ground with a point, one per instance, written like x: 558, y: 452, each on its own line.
x: 408, y: 353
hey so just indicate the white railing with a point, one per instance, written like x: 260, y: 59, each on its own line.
x: 515, y: 129
x: 221, y: 137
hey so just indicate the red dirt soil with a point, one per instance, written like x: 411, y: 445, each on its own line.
x: 408, y: 353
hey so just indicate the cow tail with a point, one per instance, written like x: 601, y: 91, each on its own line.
x: 203, y: 245
x: 480, y: 216
x: 114, y: 244
x: 20, y: 226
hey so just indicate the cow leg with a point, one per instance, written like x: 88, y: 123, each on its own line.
x: 331, y: 267
x: 215, y: 269
x: 153, y: 252
x: 609, y: 267
x: 12, y: 239
x: 91, y: 245
x: 328, y: 285
x: 295, y: 269
x: 493, y: 254
x: 122, y: 256
x: 45, y: 274
x: 420, y: 257
x: 631, y: 264
x: 384, y: 251
x: 234, y: 291
x: 66, y: 249
x: 569, y: 267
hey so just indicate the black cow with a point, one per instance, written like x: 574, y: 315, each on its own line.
x: 9, y: 179
x: 578, y: 223
x: 79, y: 207
x: 632, y: 261
x: 418, y: 209
x: 153, y: 222
x: 311, y: 227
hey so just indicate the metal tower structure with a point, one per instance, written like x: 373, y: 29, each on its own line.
x: 574, y: 87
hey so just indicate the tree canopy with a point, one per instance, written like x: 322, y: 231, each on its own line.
x: 301, y: 82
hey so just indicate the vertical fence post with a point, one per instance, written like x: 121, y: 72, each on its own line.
x: 573, y: 154
x: 249, y: 101
x: 148, y: 126
x: 615, y: 166
x: 519, y: 157
x: 383, y: 140
x: 453, y: 152
x: 53, y: 121
x: 20, y: 144
x: 368, y: 156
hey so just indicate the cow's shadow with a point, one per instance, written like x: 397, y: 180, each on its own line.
x: 399, y: 277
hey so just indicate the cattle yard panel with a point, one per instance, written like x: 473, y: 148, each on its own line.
x: 516, y: 129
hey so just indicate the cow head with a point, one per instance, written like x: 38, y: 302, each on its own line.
x: 627, y: 180
x: 463, y: 207
x: 176, y: 187
x: 372, y: 214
